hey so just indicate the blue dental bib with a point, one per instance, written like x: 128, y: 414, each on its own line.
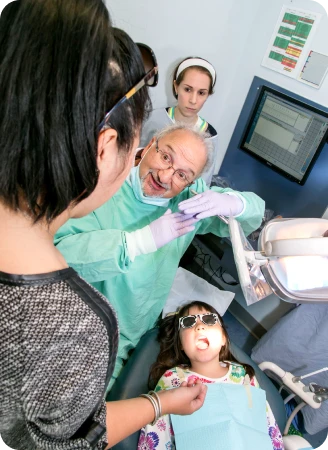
x: 232, y: 417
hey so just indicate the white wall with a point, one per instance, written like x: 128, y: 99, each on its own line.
x: 233, y: 35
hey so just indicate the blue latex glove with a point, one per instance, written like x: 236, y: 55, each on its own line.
x: 171, y: 226
x: 211, y: 203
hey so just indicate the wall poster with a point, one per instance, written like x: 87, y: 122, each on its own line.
x: 290, y: 43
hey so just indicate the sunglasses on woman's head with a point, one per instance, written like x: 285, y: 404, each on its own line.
x: 207, y: 319
x: 150, y: 79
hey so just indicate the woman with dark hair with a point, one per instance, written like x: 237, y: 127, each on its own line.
x: 195, y: 347
x: 72, y: 108
x: 193, y: 82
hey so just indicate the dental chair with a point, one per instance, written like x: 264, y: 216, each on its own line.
x: 292, y: 262
x: 133, y: 381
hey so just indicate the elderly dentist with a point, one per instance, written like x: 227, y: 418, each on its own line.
x: 128, y: 248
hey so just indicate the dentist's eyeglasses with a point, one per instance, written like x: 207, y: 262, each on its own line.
x: 207, y: 319
x: 150, y: 79
x: 164, y: 161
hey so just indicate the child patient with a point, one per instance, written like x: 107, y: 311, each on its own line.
x: 194, y: 347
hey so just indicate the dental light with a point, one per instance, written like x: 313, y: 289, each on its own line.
x: 291, y: 261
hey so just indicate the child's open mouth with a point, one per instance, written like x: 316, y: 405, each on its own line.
x: 202, y: 343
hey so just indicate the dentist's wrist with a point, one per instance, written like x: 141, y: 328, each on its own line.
x: 242, y: 204
x: 140, y: 242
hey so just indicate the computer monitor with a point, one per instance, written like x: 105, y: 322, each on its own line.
x: 285, y: 134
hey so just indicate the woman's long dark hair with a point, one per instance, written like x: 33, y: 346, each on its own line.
x: 62, y: 68
x: 171, y: 354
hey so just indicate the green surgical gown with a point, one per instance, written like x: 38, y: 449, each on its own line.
x: 95, y: 246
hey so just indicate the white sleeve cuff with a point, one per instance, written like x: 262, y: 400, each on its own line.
x: 236, y: 194
x: 140, y: 242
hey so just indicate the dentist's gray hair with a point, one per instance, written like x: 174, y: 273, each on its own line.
x: 202, y: 136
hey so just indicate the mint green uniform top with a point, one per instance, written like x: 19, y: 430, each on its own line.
x: 95, y: 246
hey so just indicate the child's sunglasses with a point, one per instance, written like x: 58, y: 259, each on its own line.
x: 207, y: 319
x: 150, y: 79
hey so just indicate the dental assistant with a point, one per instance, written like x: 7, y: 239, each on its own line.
x: 193, y: 82
x: 128, y: 249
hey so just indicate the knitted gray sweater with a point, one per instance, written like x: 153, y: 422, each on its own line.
x: 58, y: 344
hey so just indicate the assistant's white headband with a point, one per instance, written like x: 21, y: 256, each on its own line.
x: 197, y: 62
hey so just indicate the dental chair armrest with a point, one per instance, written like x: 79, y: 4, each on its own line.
x: 294, y: 442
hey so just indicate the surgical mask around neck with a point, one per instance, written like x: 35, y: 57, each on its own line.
x: 135, y: 182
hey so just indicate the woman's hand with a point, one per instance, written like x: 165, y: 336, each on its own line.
x: 186, y: 399
x: 191, y: 382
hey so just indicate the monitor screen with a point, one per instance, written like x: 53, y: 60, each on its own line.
x: 285, y: 134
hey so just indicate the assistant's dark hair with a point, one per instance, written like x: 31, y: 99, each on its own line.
x: 171, y: 354
x: 62, y: 67
x: 182, y: 74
